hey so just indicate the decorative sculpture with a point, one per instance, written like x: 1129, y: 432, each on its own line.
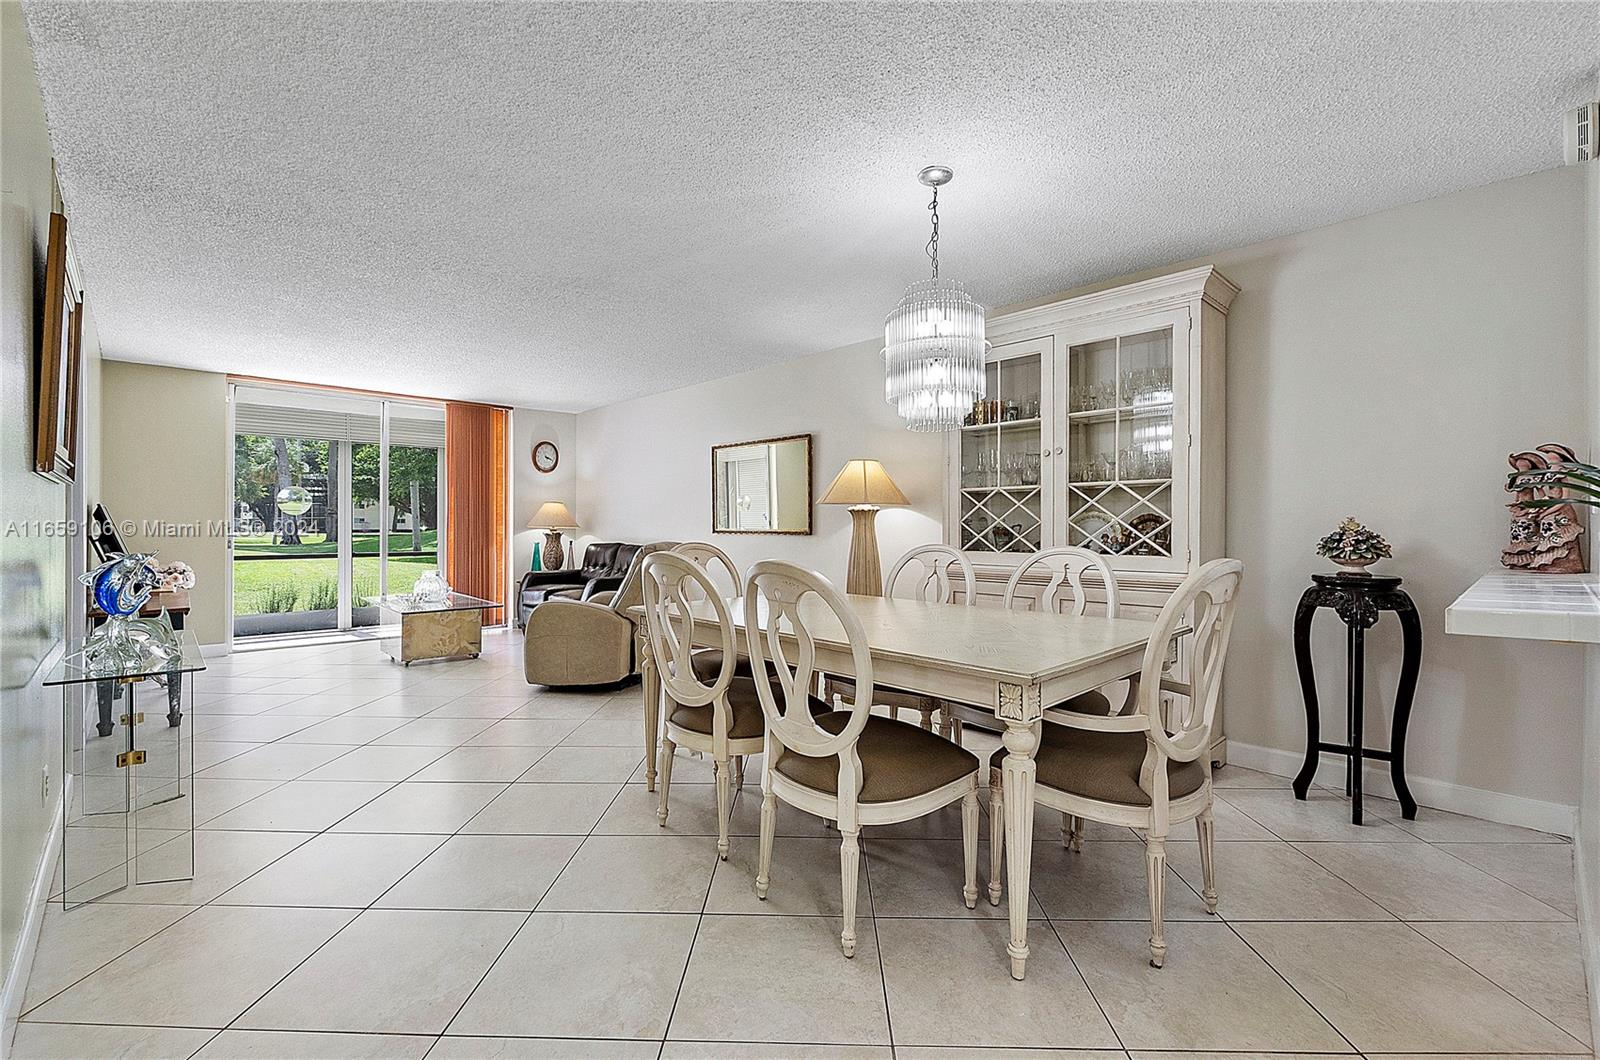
x: 1354, y: 547
x: 431, y: 588
x: 1544, y: 484
x: 120, y: 587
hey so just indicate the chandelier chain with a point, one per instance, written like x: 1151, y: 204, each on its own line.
x: 933, y: 242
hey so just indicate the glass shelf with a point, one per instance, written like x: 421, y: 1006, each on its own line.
x: 1003, y: 425
x: 1119, y: 458
x: 1001, y: 481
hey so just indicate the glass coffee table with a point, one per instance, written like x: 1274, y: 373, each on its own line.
x: 451, y: 628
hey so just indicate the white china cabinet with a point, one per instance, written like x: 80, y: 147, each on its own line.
x: 1102, y: 426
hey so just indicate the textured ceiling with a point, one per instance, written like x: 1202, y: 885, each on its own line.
x: 566, y: 205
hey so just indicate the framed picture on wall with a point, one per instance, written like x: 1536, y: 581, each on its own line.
x: 55, y: 440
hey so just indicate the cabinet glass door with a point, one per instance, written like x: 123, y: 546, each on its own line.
x: 1120, y: 455
x: 1002, y: 491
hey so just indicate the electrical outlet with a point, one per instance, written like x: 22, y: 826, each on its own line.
x: 44, y: 785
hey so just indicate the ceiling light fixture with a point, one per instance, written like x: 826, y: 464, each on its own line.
x: 933, y: 344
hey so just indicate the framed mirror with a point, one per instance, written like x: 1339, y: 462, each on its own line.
x: 762, y: 487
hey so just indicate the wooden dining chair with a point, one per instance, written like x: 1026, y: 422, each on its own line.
x: 1148, y: 768
x: 716, y: 714
x: 710, y: 558
x: 707, y: 662
x: 1064, y: 592
x: 924, y: 573
x: 838, y: 760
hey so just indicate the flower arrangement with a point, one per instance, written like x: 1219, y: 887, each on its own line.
x: 1354, y: 546
x: 175, y: 576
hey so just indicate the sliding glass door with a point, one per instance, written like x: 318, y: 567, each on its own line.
x: 337, y: 500
x: 396, y: 540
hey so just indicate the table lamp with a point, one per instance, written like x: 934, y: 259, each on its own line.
x: 552, y: 517
x: 864, y: 485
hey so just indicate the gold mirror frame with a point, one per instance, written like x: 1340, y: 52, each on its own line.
x: 810, y: 491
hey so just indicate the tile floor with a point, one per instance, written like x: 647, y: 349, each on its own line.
x: 447, y: 862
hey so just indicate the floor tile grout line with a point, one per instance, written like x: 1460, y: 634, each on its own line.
x: 1349, y: 883
x: 694, y: 939
x: 877, y: 944
x: 555, y: 879
x: 216, y: 899
x: 1084, y: 979
x: 22, y: 1015
x: 1305, y: 1000
x: 1508, y: 883
x: 301, y: 963
x: 1446, y: 951
x: 1275, y: 838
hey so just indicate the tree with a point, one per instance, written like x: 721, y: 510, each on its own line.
x: 409, y: 466
x: 287, y: 526
x: 330, y: 516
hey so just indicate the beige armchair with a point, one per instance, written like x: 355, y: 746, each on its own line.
x: 586, y: 642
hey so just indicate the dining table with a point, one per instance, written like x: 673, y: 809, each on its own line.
x: 1014, y: 664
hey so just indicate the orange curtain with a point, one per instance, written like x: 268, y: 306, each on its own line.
x: 475, y: 476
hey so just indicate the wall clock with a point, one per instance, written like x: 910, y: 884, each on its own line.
x: 546, y: 456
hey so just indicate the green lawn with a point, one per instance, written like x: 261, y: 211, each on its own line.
x: 319, y: 545
x: 312, y: 583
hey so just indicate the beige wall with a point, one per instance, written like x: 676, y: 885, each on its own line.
x: 36, y: 567
x: 1381, y: 367
x: 165, y: 461
x: 531, y: 487
x: 644, y: 466
x: 1384, y: 367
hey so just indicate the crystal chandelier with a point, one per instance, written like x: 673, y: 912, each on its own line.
x: 933, y: 344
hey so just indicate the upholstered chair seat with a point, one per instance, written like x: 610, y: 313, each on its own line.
x: 743, y: 701
x: 1103, y: 766
x: 707, y: 664
x: 898, y: 761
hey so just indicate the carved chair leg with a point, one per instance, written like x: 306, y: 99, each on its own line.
x: 997, y: 835
x: 849, y: 875
x: 738, y: 772
x: 724, y: 775
x: 1074, y: 836
x: 664, y: 776
x: 1155, y: 863
x: 1206, y: 825
x: 969, y: 844
x: 769, y: 826
x: 927, y: 717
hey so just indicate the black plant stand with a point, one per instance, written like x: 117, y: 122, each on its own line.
x: 1358, y: 599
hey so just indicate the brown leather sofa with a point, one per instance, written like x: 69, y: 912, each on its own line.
x: 605, y: 564
x: 572, y: 641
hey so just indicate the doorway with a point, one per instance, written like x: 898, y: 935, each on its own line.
x: 338, y: 500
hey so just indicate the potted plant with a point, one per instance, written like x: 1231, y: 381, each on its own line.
x: 1354, y: 547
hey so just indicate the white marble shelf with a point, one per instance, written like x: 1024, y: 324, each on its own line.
x: 1561, y: 607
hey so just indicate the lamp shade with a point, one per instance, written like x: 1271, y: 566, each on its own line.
x: 863, y: 482
x: 553, y: 515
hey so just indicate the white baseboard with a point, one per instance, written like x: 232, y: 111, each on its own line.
x: 1589, y: 932
x: 1550, y: 817
x: 16, y: 982
x: 211, y: 651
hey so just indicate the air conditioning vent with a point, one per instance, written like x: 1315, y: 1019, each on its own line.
x: 1582, y: 128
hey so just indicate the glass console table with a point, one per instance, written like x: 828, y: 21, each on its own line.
x: 129, y: 793
x: 451, y: 628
